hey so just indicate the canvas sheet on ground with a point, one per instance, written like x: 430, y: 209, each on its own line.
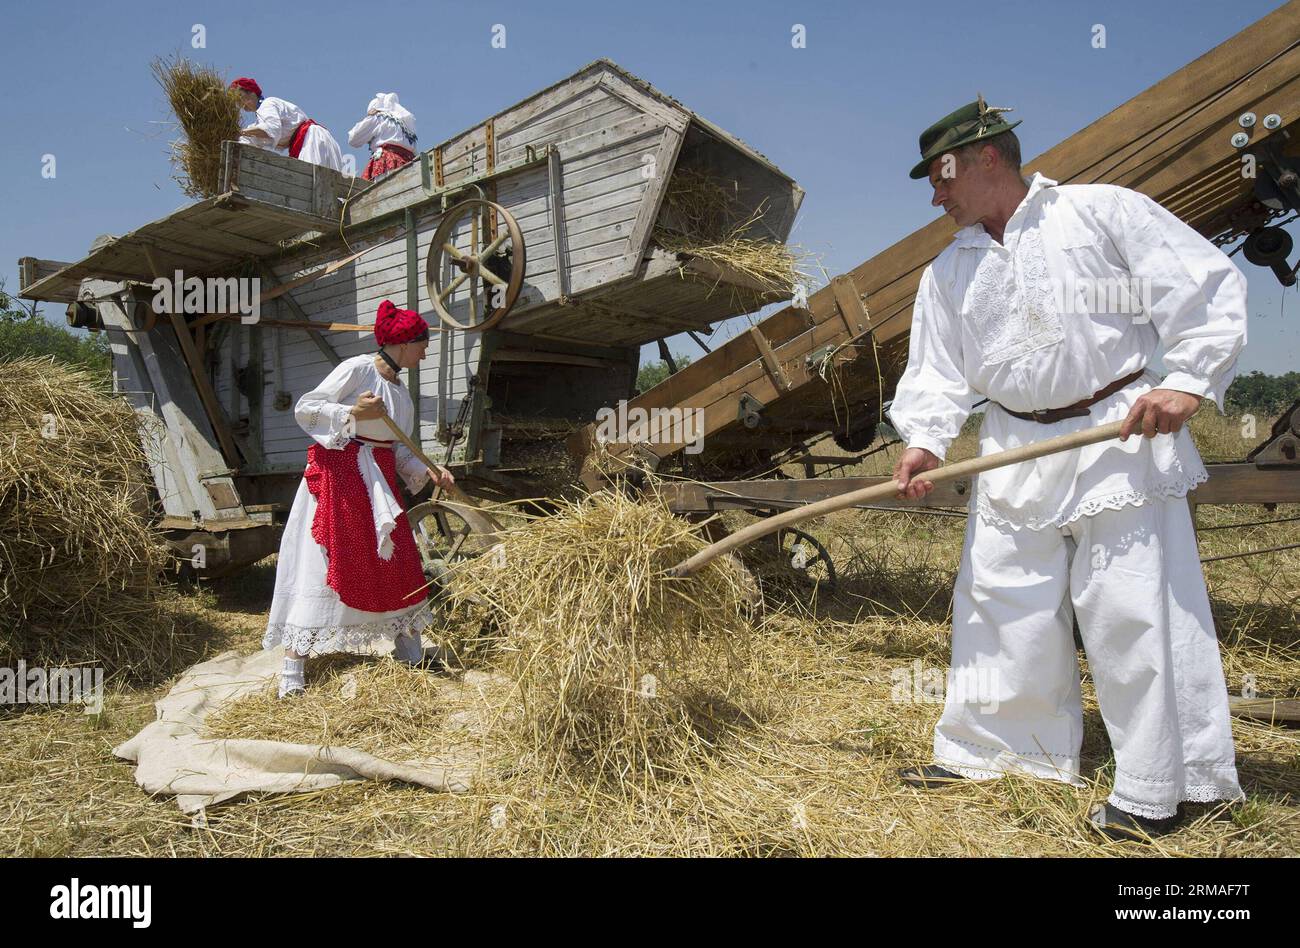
x: 173, y: 755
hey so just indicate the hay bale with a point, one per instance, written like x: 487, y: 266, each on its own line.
x: 207, y: 112
x: 80, y: 567
x: 619, y: 669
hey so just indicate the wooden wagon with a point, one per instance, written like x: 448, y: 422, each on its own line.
x: 536, y: 231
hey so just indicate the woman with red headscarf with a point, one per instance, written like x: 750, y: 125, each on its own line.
x: 349, y: 575
x: 281, y: 124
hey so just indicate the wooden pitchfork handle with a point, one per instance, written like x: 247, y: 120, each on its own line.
x: 885, y: 491
x: 414, y: 448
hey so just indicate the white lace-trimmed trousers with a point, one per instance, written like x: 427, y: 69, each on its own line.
x: 1133, y: 578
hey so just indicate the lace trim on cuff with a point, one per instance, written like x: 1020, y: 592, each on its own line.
x: 340, y: 438
x: 1192, y: 793
x: 337, y: 437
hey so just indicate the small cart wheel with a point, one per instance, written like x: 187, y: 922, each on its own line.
x: 464, y: 251
x: 445, y: 531
x: 805, y: 555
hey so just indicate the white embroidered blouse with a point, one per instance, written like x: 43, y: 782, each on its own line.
x: 1089, y: 281
x: 278, y: 118
x: 391, y: 124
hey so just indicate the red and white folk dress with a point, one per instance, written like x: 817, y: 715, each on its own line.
x: 388, y: 130
x: 349, y: 575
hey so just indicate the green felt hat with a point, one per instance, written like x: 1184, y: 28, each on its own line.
x: 976, y: 122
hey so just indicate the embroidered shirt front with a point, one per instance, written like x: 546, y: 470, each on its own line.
x: 1028, y: 324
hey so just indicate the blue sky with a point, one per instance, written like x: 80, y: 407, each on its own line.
x: 841, y: 116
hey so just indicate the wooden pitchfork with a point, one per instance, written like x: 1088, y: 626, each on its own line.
x: 458, y: 497
x: 1028, y: 452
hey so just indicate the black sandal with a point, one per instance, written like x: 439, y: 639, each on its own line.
x: 929, y: 777
x: 1120, y: 826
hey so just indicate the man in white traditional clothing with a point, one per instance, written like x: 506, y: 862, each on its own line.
x: 281, y: 124
x: 349, y: 576
x: 388, y: 130
x: 1022, y: 309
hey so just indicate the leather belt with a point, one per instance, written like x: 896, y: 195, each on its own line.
x: 1080, y: 408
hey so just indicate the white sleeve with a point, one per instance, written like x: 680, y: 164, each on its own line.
x: 325, y: 412
x: 363, y: 131
x: 933, y: 398
x: 271, y: 121
x: 410, y: 468
x: 1197, y: 296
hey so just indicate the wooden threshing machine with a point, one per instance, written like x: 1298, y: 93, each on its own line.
x: 532, y: 235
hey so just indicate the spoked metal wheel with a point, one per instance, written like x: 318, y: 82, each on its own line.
x: 446, y: 530
x: 804, y: 557
x: 475, y: 267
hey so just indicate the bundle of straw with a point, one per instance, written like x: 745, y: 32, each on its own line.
x: 619, y: 669
x: 80, y: 568
x: 208, y: 114
x: 702, y: 218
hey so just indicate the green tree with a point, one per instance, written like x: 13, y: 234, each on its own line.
x: 1263, y: 394
x: 24, y: 332
x: 652, y: 373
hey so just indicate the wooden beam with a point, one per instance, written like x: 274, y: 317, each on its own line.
x: 220, y: 424
x: 308, y: 324
x: 850, y: 306
x: 1267, y: 710
x: 560, y: 358
x: 765, y: 353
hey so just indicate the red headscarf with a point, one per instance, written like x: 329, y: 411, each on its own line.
x: 248, y: 85
x: 393, y: 325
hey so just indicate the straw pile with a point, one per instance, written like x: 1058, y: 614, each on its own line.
x: 817, y: 777
x: 207, y: 112
x: 618, y: 668
x: 702, y: 219
x: 80, y: 568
